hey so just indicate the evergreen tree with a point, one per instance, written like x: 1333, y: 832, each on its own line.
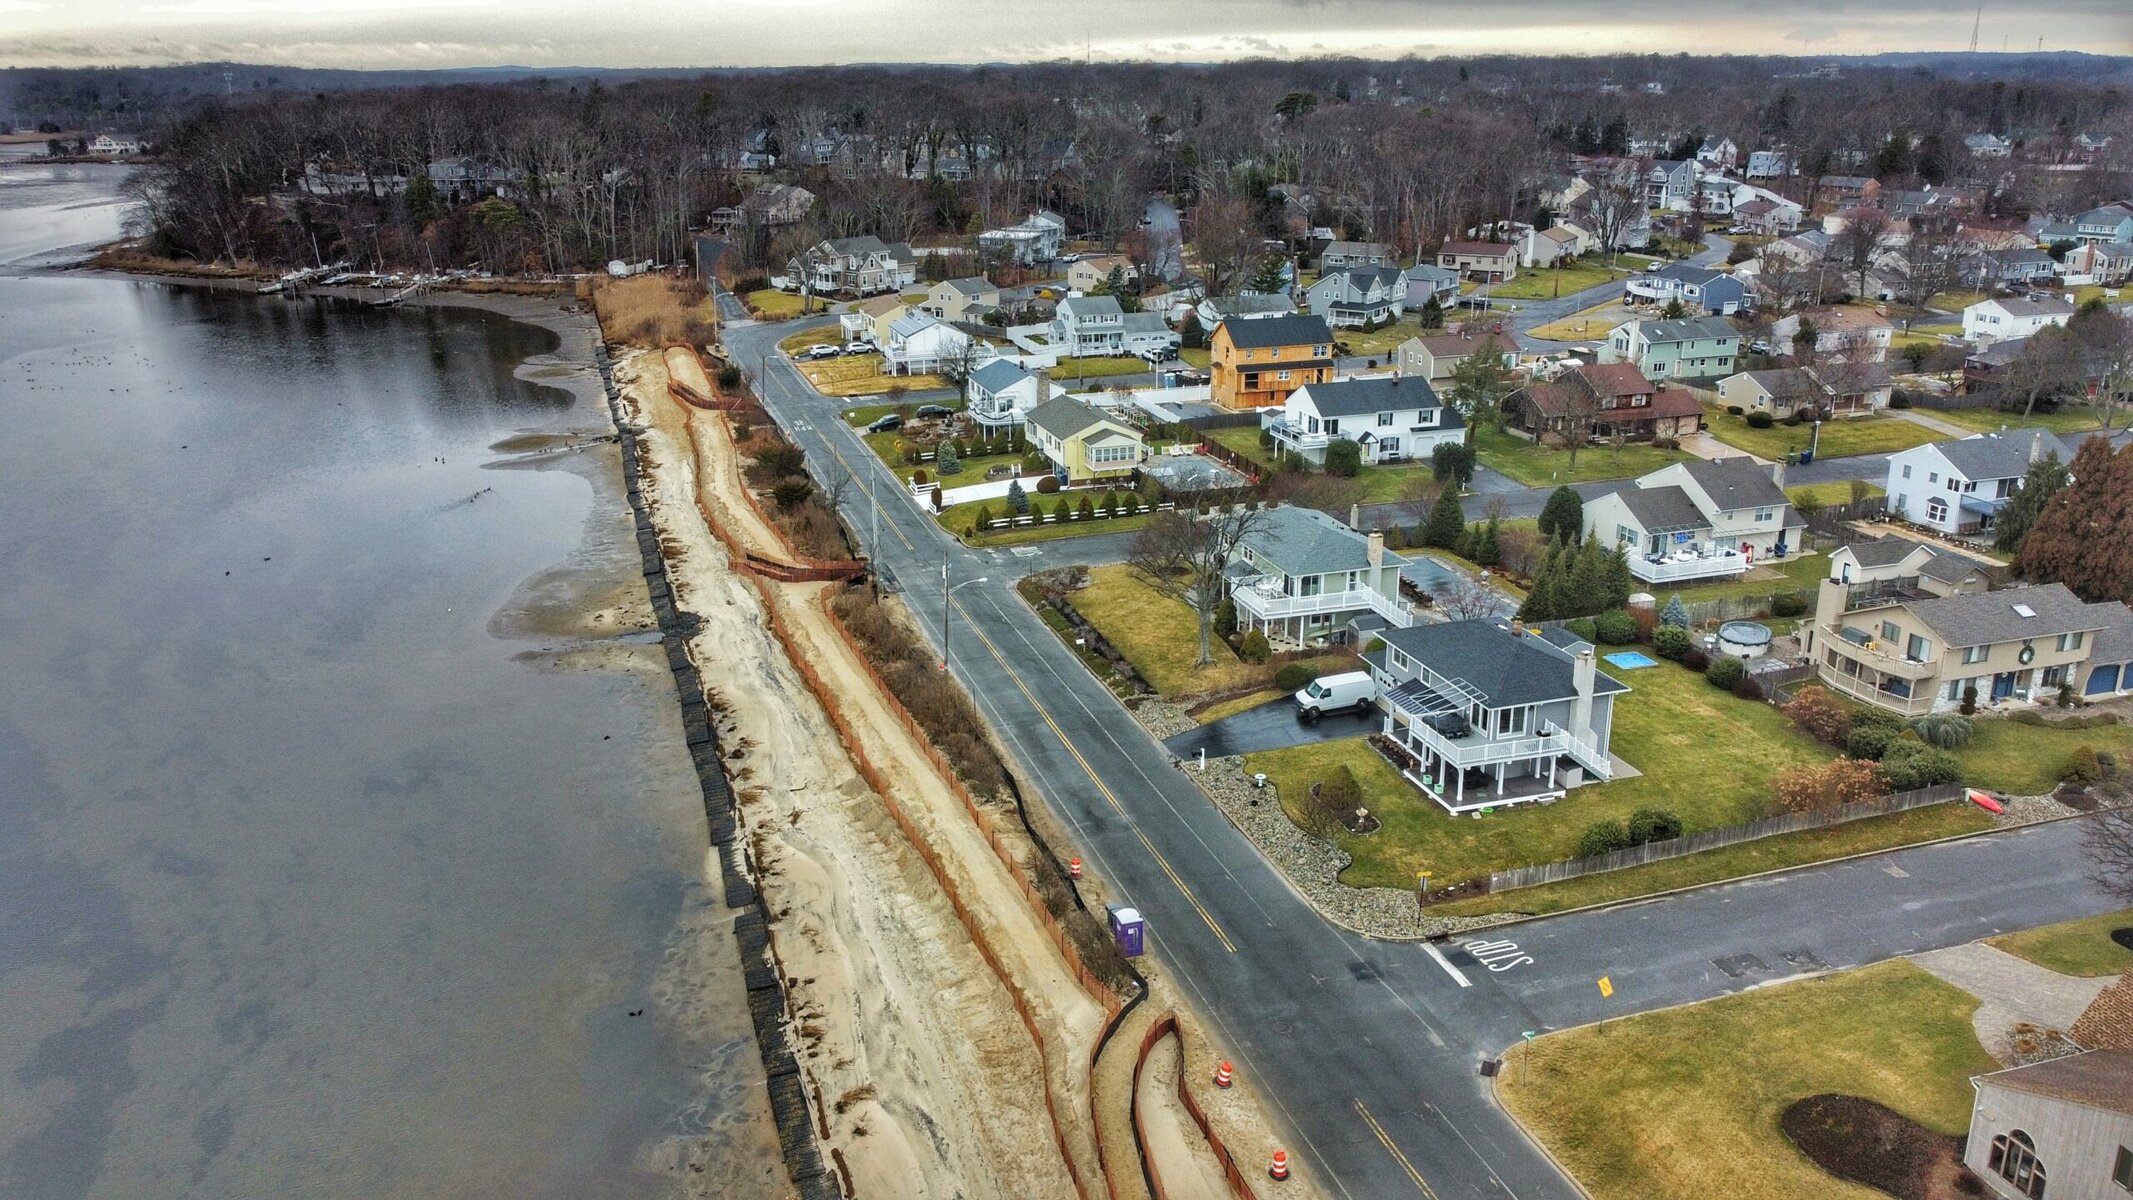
x: 1587, y: 591
x: 2084, y: 536
x: 1452, y: 463
x: 423, y: 203
x: 1676, y: 613
x: 1620, y: 583
x: 1540, y: 599
x: 1482, y: 545
x: 1432, y: 313
x: 1447, y: 522
x: 1191, y: 334
x: 1478, y: 387
x: 1270, y: 278
x: 2043, y: 481
x: 1017, y: 499
x: 1564, y: 515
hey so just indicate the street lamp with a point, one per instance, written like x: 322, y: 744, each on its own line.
x: 947, y: 607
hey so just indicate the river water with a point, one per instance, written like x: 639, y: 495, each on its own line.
x: 345, y: 851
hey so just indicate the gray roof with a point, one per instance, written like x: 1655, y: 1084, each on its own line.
x: 1064, y: 416
x: 1735, y: 483
x: 1884, y: 551
x: 1143, y: 322
x: 1295, y: 329
x: 1687, y: 329
x: 1950, y: 567
x: 2001, y: 455
x: 1665, y: 509
x: 1432, y: 273
x: 2039, y: 306
x: 1504, y: 668
x: 2113, y: 643
x: 972, y: 286
x: 1379, y: 249
x: 998, y: 374
x: 1305, y: 541
x: 1355, y: 397
x: 2100, y: 1079
x: 1982, y: 618
x: 1090, y: 306
x: 1253, y: 302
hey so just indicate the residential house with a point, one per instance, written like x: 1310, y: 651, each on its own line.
x: 2011, y: 267
x: 345, y: 179
x: 776, y: 204
x: 1547, y: 247
x: 858, y: 266
x: 2111, y: 223
x: 1699, y: 289
x: 1671, y: 185
x: 1987, y: 145
x: 1603, y: 401
x: 1257, y: 363
x: 1852, y: 333
x: 2013, y: 317
x: 1557, y: 193
x: 920, y: 344
x: 1489, y: 262
x: 1084, y: 444
x: 1088, y: 274
x: 1690, y: 348
x: 1425, y: 280
x: 1768, y: 164
x: 1815, y: 391
x: 1390, y: 418
x: 1899, y: 565
x: 1303, y: 578
x: 1359, y: 296
x: 1846, y: 191
x: 2066, y: 1122
x: 1698, y: 519
x: 1243, y: 306
x: 1958, y: 486
x: 1714, y: 195
x: 1340, y: 256
x: 1096, y: 326
x: 1913, y: 652
x: 1435, y: 356
x: 1805, y: 248
x: 1037, y: 238
x: 1718, y: 152
x: 960, y: 299
x: 115, y: 143
x: 869, y: 320
x: 1002, y: 395
x: 2106, y: 263
x: 1765, y: 218
x: 1491, y: 714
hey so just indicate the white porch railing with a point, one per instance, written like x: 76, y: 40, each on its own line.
x: 1861, y: 689
x: 1297, y: 439
x: 1696, y: 568
x: 1268, y: 605
x: 1477, y: 750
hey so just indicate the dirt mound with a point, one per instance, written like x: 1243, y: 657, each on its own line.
x: 1865, y: 1143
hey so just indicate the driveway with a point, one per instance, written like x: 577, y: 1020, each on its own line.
x: 1271, y: 726
x: 1534, y: 313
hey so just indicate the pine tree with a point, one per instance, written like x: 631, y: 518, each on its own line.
x: 2084, y: 536
x: 1017, y: 499
x: 1676, y: 612
x: 2043, y: 481
x: 1432, y: 313
x: 1564, y: 516
x: 1586, y: 592
x: 1447, y: 522
x: 1539, y: 605
x: 1620, y: 583
x: 1481, y: 543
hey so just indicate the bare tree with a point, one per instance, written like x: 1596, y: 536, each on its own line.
x: 2108, y: 839
x: 1227, y: 242
x: 1616, y: 202
x: 1182, y: 555
x: 1867, y: 235
x: 1467, y: 599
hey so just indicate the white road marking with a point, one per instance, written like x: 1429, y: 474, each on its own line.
x: 1430, y: 949
x: 1497, y: 955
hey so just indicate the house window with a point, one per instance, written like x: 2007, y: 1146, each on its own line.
x: 1511, y: 720
x: 1907, y: 471
x: 2070, y: 641
x: 1625, y: 536
x: 1975, y: 654
x: 2014, y: 1159
x: 1917, y: 648
x: 1398, y: 659
x: 1765, y: 514
x: 1889, y: 632
x: 1283, y: 375
x: 2122, y: 1169
x: 1936, y: 510
x: 1384, y: 420
x: 1333, y: 428
x: 1933, y: 477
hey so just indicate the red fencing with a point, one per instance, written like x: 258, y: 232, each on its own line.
x: 1167, y: 1026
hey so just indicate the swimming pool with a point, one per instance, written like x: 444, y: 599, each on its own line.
x: 1630, y: 660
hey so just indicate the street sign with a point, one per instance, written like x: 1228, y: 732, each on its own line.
x: 1607, y: 986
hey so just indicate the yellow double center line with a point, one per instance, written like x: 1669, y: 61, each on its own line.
x: 1385, y: 1139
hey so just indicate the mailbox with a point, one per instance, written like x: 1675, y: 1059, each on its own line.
x: 1127, y: 929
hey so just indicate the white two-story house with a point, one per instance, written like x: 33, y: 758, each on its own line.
x: 1002, y: 395
x: 1959, y: 486
x: 1038, y: 238
x: 1089, y: 326
x: 1487, y: 714
x: 1391, y: 417
x: 1303, y: 578
x: 2000, y: 320
x: 1692, y: 348
x: 1699, y: 519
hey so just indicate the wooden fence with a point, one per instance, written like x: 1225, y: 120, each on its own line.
x: 1167, y: 1026
x: 1228, y: 420
x: 1712, y: 839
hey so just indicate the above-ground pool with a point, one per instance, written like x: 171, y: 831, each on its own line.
x: 1744, y: 639
x: 1630, y: 660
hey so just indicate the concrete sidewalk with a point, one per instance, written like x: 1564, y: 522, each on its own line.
x: 2011, y: 990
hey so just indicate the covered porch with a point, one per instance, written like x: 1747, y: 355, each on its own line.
x: 1463, y: 769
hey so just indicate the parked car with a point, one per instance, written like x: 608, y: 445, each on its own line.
x: 886, y: 422
x: 1350, y: 691
x: 822, y: 350
x: 935, y: 410
x: 1160, y: 355
x: 858, y: 348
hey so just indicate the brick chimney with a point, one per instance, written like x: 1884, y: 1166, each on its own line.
x: 1355, y: 516
x: 1374, y: 548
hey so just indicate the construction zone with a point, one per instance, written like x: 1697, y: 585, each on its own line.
x: 960, y: 1021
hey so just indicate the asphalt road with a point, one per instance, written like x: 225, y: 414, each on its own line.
x: 1369, y: 1050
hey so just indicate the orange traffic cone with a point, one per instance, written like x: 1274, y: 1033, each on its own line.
x: 1222, y: 1076
x: 1073, y: 868
x: 1280, y: 1169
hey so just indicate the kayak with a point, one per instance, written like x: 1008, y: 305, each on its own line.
x: 1986, y: 802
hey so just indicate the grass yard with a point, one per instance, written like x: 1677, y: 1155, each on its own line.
x: 1071, y: 369
x: 957, y: 519
x: 1666, y: 727
x: 1954, y: 302
x: 1799, y: 573
x: 796, y: 344
x: 1379, y: 343
x: 1684, y: 1103
x: 2024, y: 760
x: 1159, y: 635
x: 1547, y: 283
x: 2083, y: 948
x: 1836, y: 491
x: 860, y: 375
x: 2069, y: 420
x: 1840, y: 438
x: 1381, y: 485
x: 1236, y: 704
x: 974, y: 467
x: 1541, y: 466
x: 1590, y: 325
x: 1197, y: 359
x: 773, y: 304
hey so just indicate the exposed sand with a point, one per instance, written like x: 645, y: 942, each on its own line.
x: 1181, y: 1158
x: 930, y: 1083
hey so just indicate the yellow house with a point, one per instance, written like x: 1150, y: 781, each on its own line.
x: 869, y: 320
x: 1084, y: 443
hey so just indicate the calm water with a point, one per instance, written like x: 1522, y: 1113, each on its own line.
x: 315, y: 878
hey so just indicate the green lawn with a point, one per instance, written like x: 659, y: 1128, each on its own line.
x: 1835, y: 492
x: 2024, y: 760
x: 1852, y: 435
x: 2082, y: 948
x: 2071, y: 420
x: 1380, y: 342
x: 1547, y: 283
x: 1071, y: 369
x: 1158, y: 635
x: 1540, y: 466
x: 958, y: 519
x: 1200, y: 359
x: 1683, y: 1104
x: 1954, y: 302
x: 797, y: 343
x: 1798, y: 573
x: 1665, y: 727
x: 773, y: 303
x: 1381, y: 485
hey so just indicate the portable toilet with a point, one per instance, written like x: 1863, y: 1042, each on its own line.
x: 1127, y: 929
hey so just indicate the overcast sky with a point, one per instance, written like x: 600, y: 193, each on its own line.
x: 680, y: 33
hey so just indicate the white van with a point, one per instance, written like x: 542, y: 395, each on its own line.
x: 1351, y: 691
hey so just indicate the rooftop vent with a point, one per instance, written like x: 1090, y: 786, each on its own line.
x: 2023, y: 610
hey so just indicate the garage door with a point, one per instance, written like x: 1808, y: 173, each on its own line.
x: 2103, y: 680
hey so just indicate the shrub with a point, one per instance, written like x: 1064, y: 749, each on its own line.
x: 1675, y: 612
x: 729, y: 377
x: 1291, y: 676
x: 1788, y: 604
x: 1899, y: 399
x: 1845, y: 781
x: 1602, y: 837
x: 1225, y: 618
x: 983, y: 520
x: 1819, y: 715
x: 1760, y: 420
x: 2082, y: 766
x: 1615, y: 627
x: 792, y: 493
x: 1724, y: 671
x: 1653, y: 825
x: 1583, y: 627
x: 1695, y: 659
x: 948, y: 460
x: 1017, y: 499
x: 1085, y: 511
x: 1048, y: 485
x: 1266, y: 439
x: 1748, y: 687
x: 1944, y: 730
x: 1867, y: 741
x: 1131, y: 504
x: 1909, y: 766
x: 920, y: 476
x: 1666, y: 443
x: 1254, y: 649
x: 1670, y: 641
x: 1735, y: 409
x: 1878, y: 718
x: 1340, y: 794
x: 1344, y: 458
x: 1110, y: 506
x: 1969, y: 705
